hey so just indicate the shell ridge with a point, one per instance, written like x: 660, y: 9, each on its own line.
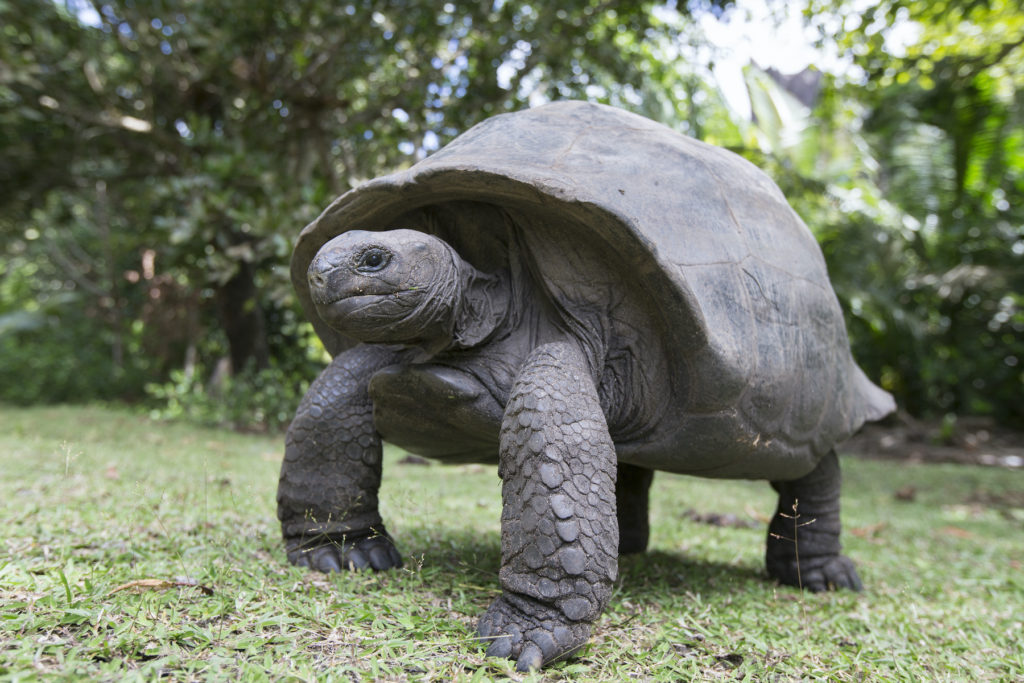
x: 755, y: 366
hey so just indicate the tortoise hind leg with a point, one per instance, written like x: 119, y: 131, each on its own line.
x: 632, y: 488
x: 803, y: 536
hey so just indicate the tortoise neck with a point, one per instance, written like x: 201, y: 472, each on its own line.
x: 481, y: 308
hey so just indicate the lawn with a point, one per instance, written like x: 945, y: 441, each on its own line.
x: 134, y: 549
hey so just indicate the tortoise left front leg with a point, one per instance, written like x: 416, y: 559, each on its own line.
x: 559, y: 535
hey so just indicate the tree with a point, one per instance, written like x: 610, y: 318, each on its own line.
x: 944, y: 118
x: 214, y: 131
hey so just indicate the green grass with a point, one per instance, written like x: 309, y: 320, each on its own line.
x: 93, y: 499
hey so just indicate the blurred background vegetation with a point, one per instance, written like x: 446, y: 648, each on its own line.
x: 158, y: 157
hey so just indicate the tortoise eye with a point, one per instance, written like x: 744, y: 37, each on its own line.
x: 372, y: 260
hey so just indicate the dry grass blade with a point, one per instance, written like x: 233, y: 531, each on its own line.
x: 141, y: 585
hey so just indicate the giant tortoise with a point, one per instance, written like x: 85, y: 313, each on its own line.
x: 582, y: 296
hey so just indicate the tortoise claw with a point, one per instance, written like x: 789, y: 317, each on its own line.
x: 376, y: 552
x: 818, y: 574
x: 530, y: 633
x: 530, y: 659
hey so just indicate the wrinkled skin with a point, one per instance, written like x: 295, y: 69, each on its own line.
x: 569, y: 508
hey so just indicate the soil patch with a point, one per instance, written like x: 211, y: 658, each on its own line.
x: 968, y: 441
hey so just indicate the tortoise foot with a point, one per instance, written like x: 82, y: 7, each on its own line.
x: 531, y: 633
x: 817, y: 574
x: 326, y: 554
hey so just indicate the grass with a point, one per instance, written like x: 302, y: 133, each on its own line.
x: 92, y: 500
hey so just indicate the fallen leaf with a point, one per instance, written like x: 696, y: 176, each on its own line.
x: 907, y: 493
x: 868, y: 531
x: 726, y: 520
x: 956, y: 531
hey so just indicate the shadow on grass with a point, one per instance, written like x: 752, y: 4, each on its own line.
x: 642, y: 577
x: 648, y: 576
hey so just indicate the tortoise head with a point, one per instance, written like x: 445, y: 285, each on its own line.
x: 398, y: 286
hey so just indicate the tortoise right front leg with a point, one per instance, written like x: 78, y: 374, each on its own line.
x: 559, y: 533
x: 327, y: 493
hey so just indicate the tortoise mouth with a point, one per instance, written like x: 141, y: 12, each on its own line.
x: 392, y: 318
x: 349, y: 304
x: 364, y: 317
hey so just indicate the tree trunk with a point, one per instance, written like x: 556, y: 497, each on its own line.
x: 242, y: 318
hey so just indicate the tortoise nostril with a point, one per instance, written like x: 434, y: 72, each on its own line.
x: 317, y: 280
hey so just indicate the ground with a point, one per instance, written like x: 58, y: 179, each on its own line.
x: 137, y: 550
x: 967, y: 441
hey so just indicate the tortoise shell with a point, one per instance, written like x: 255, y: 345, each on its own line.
x: 649, y: 243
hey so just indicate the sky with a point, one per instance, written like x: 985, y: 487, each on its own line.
x: 774, y: 36
x: 772, y: 33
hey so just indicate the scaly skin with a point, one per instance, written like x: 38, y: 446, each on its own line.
x: 559, y: 534
x: 327, y: 494
x: 811, y: 532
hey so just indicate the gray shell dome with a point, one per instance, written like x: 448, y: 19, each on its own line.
x: 653, y: 233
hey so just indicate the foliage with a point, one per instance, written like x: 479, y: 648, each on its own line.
x: 158, y: 160
x: 939, y: 312
x: 249, y: 400
x: 100, y: 500
x: 51, y: 347
x: 903, y: 169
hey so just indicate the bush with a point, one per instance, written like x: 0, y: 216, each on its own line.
x: 253, y: 400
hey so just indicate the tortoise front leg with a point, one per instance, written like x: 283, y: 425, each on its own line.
x: 559, y: 535
x: 327, y: 494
